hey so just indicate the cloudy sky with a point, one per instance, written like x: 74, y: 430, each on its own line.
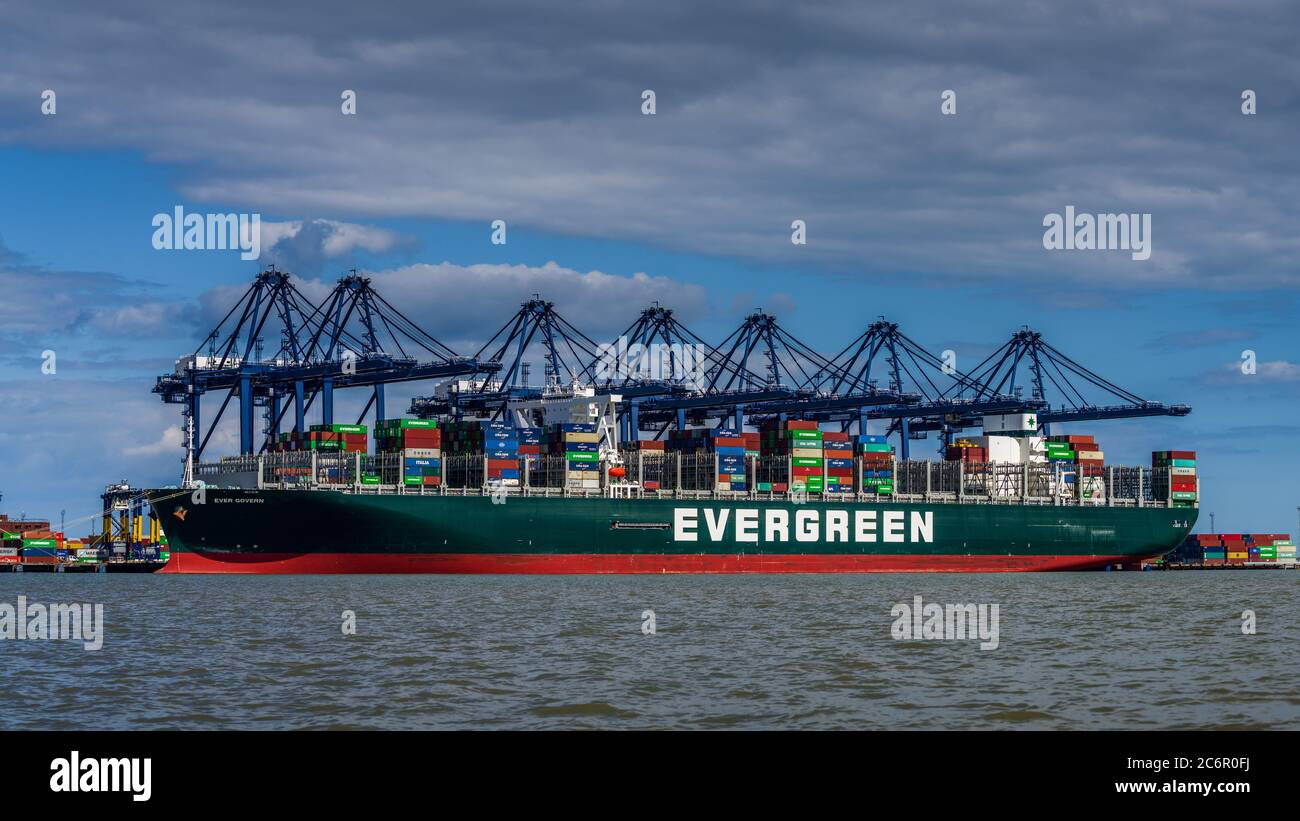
x: 825, y: 112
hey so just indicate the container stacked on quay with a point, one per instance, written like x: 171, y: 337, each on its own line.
x: 1236, y: 549
x: 786, y: 498
x: 33, y: 545
x: 31, y: 542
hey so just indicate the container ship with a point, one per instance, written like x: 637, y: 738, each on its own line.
x: 491, y: 497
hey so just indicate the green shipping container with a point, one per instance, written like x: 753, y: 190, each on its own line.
x: 413, y: 480
x: 339, y: 428
x: 806, y: 461
x: 876, y: 447
x: 369, y: 480
x: 399, y: 424
x: 1182, y: 463
x: 577, y: 456
x: 765, y: 486
x: 1184, y: 495
x: 805, y: 434
x: 40, y: 543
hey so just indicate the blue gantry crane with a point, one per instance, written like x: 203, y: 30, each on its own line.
x: 927, y: 382
x: 789, y: 379
x: 999, y: 374
x: 355, y: 338
x: 568, y: 357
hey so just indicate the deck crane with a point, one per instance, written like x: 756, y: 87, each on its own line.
x: 1048, y: 366
x: 355, y: 338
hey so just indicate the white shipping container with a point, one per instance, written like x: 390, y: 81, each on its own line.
x: 1182, y: 471
x: 1010, y: 422
x: 422, y: 453
x: 8, y: 551
x: 1090, y: 454
x: 1002, y: 450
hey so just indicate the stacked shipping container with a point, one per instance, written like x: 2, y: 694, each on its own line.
x: 1182, y: 485
x: 1237, y: 548
x: 419, y: 441
x: 878, y: 463
x: 802, y: 443
x: 579, y: 444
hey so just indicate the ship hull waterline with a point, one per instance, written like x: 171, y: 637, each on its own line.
x: 301, y: 531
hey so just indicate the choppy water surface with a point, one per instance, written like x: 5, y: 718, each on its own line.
x: 1085, y: 651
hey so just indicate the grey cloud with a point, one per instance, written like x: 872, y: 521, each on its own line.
x: 827, y: 113
x: 1208, y: 337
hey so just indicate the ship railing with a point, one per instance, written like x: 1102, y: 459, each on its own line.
x: 700, y: 475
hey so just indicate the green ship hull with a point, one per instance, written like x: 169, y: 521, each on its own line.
x: 328, y: 531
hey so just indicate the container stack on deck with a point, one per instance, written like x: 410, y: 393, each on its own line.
x: 801, y: 442
x: 966, y: 450
x: 530, y: 444
x: 1182, y: 487
x: 725, y: 446
x: 1087, y: 475
x: 878, y: 463
x: 419, y: 441
x: 501, y: 447
x: 579, y: 444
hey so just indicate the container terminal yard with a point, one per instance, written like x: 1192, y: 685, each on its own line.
x: 654, y: 452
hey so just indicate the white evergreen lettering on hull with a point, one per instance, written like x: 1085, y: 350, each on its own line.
x: 776, y: 526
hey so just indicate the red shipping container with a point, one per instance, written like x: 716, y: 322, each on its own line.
x: 1184, y: 487
x: 8, y: 560
x: 1181, y: 454
x: 530, y: 450
x: 838, y: 454
x: 779, y: 487
x: 728, y: 442
x: 433, y: 480
x: 502, y: 464
x: 644, y: 444
x: 840, y: 472
x: 412, y: 436
x: 650, y: 484
x: 799, y: 424
x: 805, y: 471
x: 834, y: 436
x: 1074, y: 440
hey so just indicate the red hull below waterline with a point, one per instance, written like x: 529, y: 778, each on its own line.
x: 575, y: 563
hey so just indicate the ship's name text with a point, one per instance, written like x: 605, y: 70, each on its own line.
x: 755, y: 525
